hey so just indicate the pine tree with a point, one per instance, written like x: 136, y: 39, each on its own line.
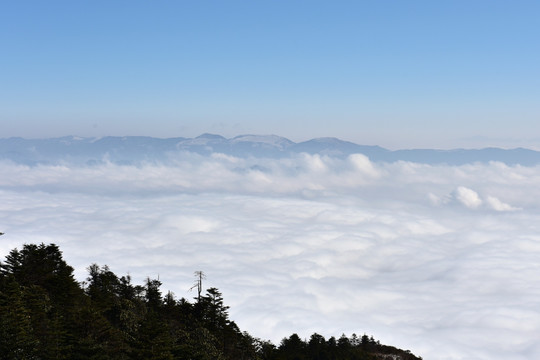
x: 17, y: 338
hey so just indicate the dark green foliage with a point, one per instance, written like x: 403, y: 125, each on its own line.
x: 45, y: 314
x: 317, y: 348
x: 17, y: 339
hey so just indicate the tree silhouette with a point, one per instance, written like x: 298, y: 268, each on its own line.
x: 199, y: 276
x: 45, y: 314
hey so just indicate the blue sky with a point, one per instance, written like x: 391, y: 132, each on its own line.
x: 393, y: 73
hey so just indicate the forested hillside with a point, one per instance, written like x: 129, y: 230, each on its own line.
x: 46, y: 314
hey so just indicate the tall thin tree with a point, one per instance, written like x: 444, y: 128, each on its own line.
x: 199, y: 276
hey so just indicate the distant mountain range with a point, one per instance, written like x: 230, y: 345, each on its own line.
x: 138, y: 149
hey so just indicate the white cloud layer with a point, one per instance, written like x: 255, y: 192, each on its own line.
x: 440, y: 260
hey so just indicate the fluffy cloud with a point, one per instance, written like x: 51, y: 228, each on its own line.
x: 468, y: 197
x: 429, y: 258
x: 498, y: 205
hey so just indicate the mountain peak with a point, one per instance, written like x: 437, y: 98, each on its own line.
x: 210, y: 137
x: 271, y: 140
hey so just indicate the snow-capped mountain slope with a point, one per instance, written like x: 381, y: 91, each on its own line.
x: 268, y: 140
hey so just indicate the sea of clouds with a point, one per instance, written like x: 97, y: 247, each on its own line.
x: 441, y: 260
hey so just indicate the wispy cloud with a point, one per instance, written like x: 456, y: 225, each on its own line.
x: 438, y: 259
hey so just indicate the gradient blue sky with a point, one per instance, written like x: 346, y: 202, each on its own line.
x: 394, y: 73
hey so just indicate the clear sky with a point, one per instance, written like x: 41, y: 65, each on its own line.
x: 393, y: 73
